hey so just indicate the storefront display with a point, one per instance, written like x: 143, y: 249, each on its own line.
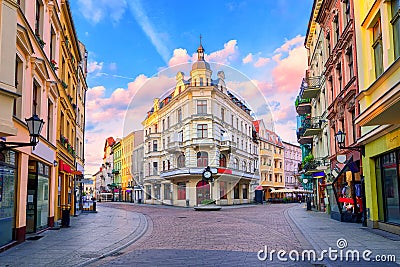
x: 8, y: 178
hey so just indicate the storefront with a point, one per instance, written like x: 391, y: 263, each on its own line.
x: 8, y: 178
x: 344, y: 191
x: 37, y: 208
x: 66, y: 188
x: 388, y: 177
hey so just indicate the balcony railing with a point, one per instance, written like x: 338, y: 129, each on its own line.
x: 312, y: 125
x: 310, y: 87
x: 227, y: 145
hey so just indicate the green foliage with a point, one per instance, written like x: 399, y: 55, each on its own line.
x: 208, y: 202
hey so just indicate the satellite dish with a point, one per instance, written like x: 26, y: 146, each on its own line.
x: 341, y: 158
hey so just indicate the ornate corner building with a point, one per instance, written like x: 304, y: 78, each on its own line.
x: 199, y: 124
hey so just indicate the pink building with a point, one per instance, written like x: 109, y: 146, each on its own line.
x: 292, y: 159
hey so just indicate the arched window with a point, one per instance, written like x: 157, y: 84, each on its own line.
x: 181, y: 161
x: 222, y: 160
x: 202, y: 159
x: 244, y: 167
x: 236, y: 164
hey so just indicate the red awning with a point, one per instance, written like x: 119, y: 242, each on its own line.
x: 64, y: 167
x: 224, y: 170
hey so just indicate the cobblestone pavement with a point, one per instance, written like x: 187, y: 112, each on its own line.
x: 230, y: 237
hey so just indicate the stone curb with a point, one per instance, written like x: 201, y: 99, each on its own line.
x: 136, y: 237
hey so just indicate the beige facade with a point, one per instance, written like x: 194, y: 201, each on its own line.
x: 199, y: 124
x: 271, y: 157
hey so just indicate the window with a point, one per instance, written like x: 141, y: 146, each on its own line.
x: 62, y: 124
x: 236, y: 191
x: 35, y: 99
x: 149, y: 147
x: 202, y: 159
x: 232, y: 119
x: 339, y: 74
x: 241, y: 126
x: 396, y: 27
x: 163, y: 125
x: 347, y: 11
x: 38, y: 18
x: 167, y: 191
x: 155, y: 168
x: 336, y: 27
x: 181, y: 191
x: 244, y: 191
x: 163, y: 165
x: 169, y: 164
x: 53, y: 42
x: 148, y: 192
x: 202, y: 131
x: 168, y: 123
x: 222, y: 114
x: 180, y: 136
x: 163, y: 143
x: 155, y: 146
x: 222, y: 160
x: 236, y: 163
x: 223, y: 190
x: 201, y: 81
x: 237, y: 124
x: 244, y: 166
x: 18, y: 85
x: 328, y: 43
x: 155, y: 128
x: 350, y: 62
x: 179, y: 114
x: 378, y: 49
x: 201, y: 106
x: 181, y: 161
x: 49, y: 120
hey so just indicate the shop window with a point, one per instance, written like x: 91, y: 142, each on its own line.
x: 390, y: 181
x: 167, y: 191
x: 223, y: 190
x: 181, y: 191
x: 236, y: 191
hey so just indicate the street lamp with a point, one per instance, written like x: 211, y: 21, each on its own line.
x: 340, y: 138
x: 35, y: 125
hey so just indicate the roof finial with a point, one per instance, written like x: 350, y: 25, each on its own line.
x: 200, y: 51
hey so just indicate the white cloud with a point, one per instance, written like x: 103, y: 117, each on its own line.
x: 248, y: 58
x: 155, y: 37
x: 225, y: 55
x: 94, y: 66
x: 96, y: 10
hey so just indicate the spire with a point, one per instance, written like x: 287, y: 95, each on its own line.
x: 200, y: 51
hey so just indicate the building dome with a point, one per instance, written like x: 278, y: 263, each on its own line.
x: 201, y: 65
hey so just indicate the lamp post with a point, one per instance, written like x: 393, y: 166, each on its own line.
x: 35, y: 125
x: 340, y: 138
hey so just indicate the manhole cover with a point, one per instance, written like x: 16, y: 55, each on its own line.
x: 182, y: 217
x: 90, y: 255
x: 36, y: 237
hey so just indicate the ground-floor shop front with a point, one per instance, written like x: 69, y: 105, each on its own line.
x: 189, y: 191
x: 382, y: 182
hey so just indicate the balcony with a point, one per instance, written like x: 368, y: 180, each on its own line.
x: 303, y: 106
x: 303, y: 139
x: 278, y: 170
x: 227, y: 146
x: 312, y: 125
x: 310, y: 87
x: 152, y: 136
x: 174, y: 147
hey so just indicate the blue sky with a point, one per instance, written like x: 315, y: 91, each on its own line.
x: 130, y: 41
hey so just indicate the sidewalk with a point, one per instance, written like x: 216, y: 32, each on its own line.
x: 90, y: 237
x: 323, y: 232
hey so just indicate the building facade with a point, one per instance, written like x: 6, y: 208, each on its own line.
x: 311, y: 105
x: 271, y: 158
x: 378, y: 50
x: 138, y: 171
x: 199, y: 124
x: 117, y: 166
x: 292, y: 159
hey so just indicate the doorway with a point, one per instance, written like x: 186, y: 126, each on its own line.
x: 202, y: 191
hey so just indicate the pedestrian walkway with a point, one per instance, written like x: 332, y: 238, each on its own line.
x: 323, y: 232
x: 91, y: 236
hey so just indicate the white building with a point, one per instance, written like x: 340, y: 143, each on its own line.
x: 199, y: 124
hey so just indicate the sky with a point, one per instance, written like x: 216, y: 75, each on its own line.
x: 131, y: 41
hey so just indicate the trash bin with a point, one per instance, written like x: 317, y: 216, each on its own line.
x: 94, y: 205
x: 187, y: 202
x: 65, y: 220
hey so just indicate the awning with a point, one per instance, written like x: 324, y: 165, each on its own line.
x: 287, y: 190
x: 259, y: 187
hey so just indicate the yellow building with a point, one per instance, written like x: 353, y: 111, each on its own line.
x: 70, y: 95
x: 271, y: 160
x: 378, y: 51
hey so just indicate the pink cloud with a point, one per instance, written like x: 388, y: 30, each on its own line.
x: 94, y: 66
x: 179, y: 56
x: 289, y: 44
x: 225, y: 55
x: 248, y: 58
x: 261, y: 62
